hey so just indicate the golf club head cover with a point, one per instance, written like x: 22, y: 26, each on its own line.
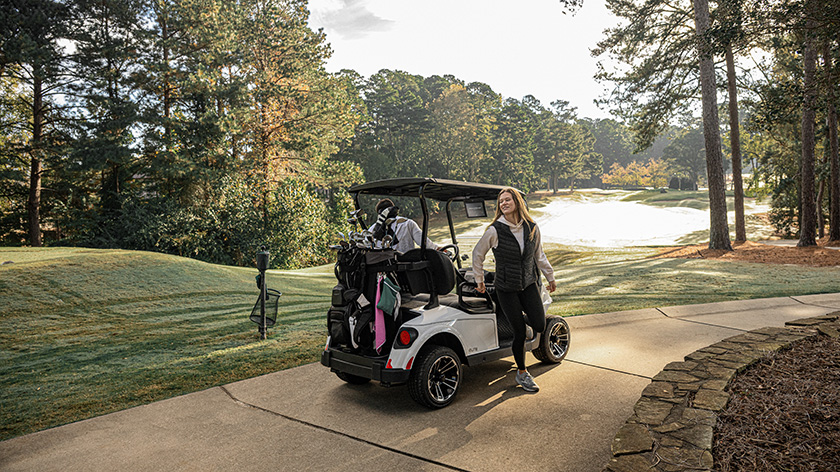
x: 380, y: 228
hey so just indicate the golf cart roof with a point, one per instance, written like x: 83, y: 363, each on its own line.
x: 436, y: 189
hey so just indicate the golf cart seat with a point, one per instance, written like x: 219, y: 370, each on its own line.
x: 430, y: 280
x: 426, y: 272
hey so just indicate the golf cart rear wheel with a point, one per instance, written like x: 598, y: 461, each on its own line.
x: 555, y: 340
x: 352, y: 379
x: 436, y: 376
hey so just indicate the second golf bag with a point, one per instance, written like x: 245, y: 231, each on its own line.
x: 350, y: 319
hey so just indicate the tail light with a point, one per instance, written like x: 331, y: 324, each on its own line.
x: 405, y: 338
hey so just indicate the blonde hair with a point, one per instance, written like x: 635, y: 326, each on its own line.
x: 521, y: 208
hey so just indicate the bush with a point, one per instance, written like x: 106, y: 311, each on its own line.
x: 651, y: 174
x: 299, y: 232
x: 226, y: 228
x: 682, y: 183
x: 783, y: 208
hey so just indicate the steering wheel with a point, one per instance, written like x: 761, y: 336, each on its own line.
x: 451, y: 251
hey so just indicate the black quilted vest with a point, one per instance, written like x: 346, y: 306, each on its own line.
x: 514, y: 270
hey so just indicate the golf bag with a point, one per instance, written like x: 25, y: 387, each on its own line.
x: 382, y: 225
x: 351, y: 316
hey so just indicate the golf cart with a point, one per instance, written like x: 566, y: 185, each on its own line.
x: 416, y: 317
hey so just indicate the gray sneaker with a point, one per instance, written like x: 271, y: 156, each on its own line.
x: 527, y: 382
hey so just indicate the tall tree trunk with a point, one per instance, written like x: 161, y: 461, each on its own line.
x: 169, y: 185
x: 167, y: 99
x: 735, y: 144
x: 808, y: 209
x: 820, y: 216
x: 719, y: 227
x: 834, y: 181
x: 33, y: 205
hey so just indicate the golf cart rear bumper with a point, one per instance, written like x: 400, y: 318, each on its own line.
x: 374, y: 369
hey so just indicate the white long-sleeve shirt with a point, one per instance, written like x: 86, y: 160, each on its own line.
x: 408, y: 234
x: 490, y: 240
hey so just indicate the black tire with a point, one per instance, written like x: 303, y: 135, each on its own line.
x: 436, y: 377
x: 554, y: 342
x: 352, y: 379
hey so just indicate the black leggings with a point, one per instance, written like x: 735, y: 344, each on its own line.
x: 513, y: 304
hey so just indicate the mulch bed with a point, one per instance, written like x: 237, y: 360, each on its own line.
x: 749, y: 251
x: 784, y: 412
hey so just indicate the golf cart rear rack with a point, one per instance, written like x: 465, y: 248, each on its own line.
x: 363, y: 366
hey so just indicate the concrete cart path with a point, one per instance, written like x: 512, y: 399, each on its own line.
x: 307, y: 419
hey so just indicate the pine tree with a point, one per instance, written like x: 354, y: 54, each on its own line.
x: 31, y: 57
x: 107, y: 42
x: 807, y: 200
x: 719, y: 227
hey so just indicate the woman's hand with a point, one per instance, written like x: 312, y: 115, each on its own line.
x: 552, y: 286
x: 480, y: 287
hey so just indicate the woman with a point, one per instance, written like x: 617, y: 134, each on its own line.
x: 515, y: 239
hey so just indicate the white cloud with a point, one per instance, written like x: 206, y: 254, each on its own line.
x: 350, y: 19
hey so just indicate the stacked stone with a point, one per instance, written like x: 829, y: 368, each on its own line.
x: 673, y: 422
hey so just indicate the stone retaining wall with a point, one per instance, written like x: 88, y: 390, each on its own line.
x: 674, y: 420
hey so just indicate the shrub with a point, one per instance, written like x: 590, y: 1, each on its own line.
x: 783, y: 207
x: 651, y: 174
x: 227, y: 227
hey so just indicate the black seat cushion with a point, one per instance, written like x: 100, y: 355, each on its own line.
x: 442, y: 269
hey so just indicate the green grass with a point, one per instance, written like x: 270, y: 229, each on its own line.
x: 85, y: 332
x: 698, y: 200
x: 757, y: 228
x: 608, y: 286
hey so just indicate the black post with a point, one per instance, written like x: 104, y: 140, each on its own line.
x: 452, y: 228
x: 425, y: 222
x: 262, y: 265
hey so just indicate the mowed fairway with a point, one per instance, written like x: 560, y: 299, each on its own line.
x: 84, y: 332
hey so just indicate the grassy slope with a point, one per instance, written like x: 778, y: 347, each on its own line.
x: 697, y: 200
x: 84, y: 332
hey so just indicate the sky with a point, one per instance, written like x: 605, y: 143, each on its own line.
x: 518, y: 48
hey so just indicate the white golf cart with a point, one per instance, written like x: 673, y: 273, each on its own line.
x: 434, y: 330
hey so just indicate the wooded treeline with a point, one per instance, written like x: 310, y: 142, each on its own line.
x: 776, y: 68
x: 206, y: 127
x: 442, y: 127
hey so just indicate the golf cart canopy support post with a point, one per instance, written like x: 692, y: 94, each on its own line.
x: 425, y: 218
x: 452, y: 228
x: 360, y: 218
